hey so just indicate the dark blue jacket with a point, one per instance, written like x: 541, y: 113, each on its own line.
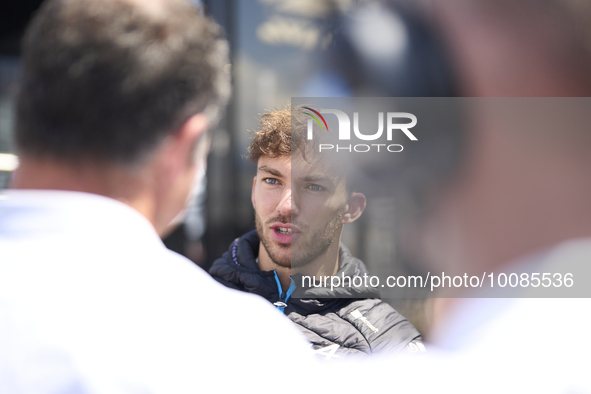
x: 355, y: 322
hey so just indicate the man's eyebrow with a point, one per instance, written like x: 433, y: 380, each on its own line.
x: 319, y: 179
x: 270, y: 170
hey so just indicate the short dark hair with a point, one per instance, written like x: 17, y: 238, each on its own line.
x: 107, y: 81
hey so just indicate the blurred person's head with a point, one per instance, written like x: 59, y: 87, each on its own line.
x: 116, y: 98
x: 519, y: 183
x: 301, y: 201
x: 518, y: 48
x: 523, y: 181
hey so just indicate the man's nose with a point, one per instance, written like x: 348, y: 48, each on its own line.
x: 287, y: 205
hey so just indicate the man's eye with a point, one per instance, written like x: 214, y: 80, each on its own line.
x: 316, y: 188
x: 271, y: 181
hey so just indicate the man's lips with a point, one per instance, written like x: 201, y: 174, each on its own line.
x: 285, y: 228
x: 283, y: 233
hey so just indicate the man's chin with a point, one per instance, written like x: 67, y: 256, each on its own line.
x: 285, y: 263
x: 283, y: 258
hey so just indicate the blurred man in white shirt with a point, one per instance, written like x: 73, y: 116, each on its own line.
x: 116, y: 99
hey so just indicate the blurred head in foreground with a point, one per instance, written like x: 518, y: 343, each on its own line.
x: 116, y: 98
x: 523, y: 184
x: 519, y: 182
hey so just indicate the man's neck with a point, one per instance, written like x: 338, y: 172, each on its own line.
x: 326, y: 264
x: 126, y: 186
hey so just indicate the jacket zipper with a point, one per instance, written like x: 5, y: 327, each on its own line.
x: 283, y: 296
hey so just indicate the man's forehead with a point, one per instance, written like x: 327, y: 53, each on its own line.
x: 298, y: 167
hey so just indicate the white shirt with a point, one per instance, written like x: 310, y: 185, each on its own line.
x: 91, y: 301
x: 543, y: 343
x: 500, y: 345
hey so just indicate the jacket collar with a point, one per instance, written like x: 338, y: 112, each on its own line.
x: 239, y: 268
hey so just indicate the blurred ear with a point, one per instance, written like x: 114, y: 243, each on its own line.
x: 354, y: 208
x: 187, y: 141
x: 254, y: 184
x: 174, y: 169
x: 177, y: 153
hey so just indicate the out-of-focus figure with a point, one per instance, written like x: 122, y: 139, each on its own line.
x: 520, y: 196
x: 115, y: 102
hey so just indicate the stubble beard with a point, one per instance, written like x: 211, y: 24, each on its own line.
x: 315, y: 244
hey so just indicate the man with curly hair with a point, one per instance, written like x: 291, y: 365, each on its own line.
x: 301, y: 204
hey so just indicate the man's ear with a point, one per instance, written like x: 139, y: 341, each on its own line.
x: 354, y: 208
x: 254, y: 184
x: 174, y: 167
x: 183, y: 145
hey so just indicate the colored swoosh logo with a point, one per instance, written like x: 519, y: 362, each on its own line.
x: 315, y: 118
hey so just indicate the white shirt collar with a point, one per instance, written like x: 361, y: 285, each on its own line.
x: 58, y: 210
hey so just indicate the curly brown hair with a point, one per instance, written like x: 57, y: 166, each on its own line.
x: 283, y: 132
x: 280, y: 131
